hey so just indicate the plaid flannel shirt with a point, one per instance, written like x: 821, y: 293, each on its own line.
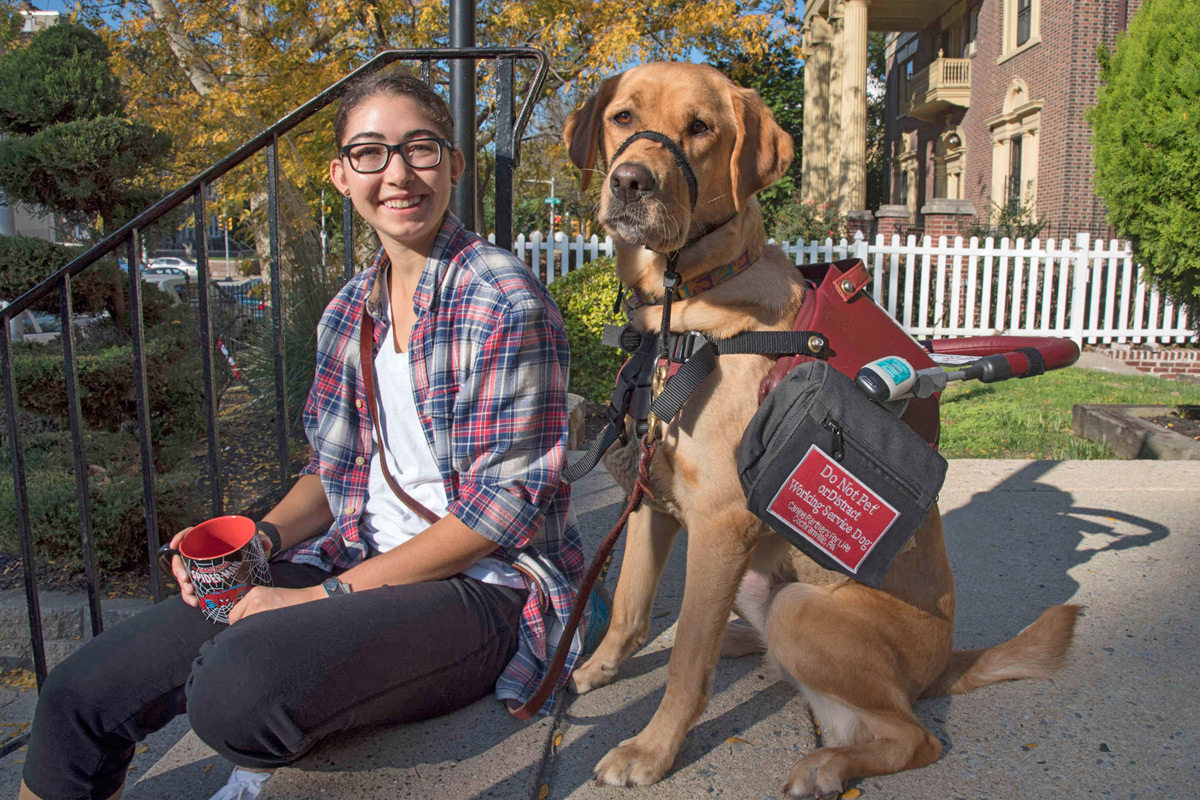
x: 489, y: 364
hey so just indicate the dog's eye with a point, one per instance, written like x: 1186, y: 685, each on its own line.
x: 697, y: 127
x: 622, y: 117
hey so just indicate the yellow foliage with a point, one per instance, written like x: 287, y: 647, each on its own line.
x: 215, y: 74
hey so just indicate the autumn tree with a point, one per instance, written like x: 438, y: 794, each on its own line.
x: 216, y: 75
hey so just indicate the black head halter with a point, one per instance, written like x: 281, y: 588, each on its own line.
x: 675, y: 150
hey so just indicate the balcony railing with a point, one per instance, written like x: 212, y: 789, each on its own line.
x: 944, y: 83
x: 125, y: 241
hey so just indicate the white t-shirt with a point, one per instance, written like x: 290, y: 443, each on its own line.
x: 387, y: 522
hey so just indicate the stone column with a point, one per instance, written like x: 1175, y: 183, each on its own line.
x: 854, y: 105
x: 892, y: 219
x: 860, y: 222
x: 944, y: 216
x: 815, y: 188
x: 833, y: 170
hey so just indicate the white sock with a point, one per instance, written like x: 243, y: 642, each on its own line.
x: 243, y: 784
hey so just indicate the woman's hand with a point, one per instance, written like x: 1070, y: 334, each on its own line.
x: 267, y: 598
x: 186, y: 590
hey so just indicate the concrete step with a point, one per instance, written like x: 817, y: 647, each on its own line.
x: 66, y: 624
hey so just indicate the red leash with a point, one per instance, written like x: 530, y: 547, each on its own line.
x: 640, y: 490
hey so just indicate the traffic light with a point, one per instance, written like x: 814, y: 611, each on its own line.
x: 557, y: 219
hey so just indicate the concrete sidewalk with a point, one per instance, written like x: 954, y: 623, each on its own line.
x: 1120, y: 537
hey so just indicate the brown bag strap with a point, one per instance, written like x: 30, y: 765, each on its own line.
x: 366, y: 348
x: 366, y: 344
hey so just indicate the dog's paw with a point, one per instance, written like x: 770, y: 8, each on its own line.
x: 741, y: 640
x: 597, y: 671
x: 633, y: 763
x: 820, y: 774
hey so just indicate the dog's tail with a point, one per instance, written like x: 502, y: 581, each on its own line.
x: 1036, y: 652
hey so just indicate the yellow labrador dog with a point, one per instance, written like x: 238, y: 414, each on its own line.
x: 860, y: 655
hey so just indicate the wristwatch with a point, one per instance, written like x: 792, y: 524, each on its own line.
x: 334, y: 587
x: 272, y: 534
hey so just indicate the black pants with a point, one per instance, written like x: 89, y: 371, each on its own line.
x: 264, y: 691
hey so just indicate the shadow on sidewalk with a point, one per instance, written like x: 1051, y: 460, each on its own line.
x: 1013, y: 548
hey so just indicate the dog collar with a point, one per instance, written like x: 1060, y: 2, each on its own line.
x: 695, y: 286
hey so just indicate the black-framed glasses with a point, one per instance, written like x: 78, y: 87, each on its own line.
x: 369, y: 157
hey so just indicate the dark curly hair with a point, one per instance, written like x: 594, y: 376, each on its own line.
x: 393, y: 81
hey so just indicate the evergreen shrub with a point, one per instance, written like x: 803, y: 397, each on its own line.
x: 585, y: 297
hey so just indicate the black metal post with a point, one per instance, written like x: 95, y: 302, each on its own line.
x: 276, y: 268
x: 462, y: 108
x: 206, y: 354
x: 81, y: 468
x: 348, y: 265
x: 24, y: 523
x: 505, y: 153
x: 142, y: 393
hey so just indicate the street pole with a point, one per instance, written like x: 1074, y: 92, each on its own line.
x: 552, y: 201
x: 462, y: 109
x: 226, y: 227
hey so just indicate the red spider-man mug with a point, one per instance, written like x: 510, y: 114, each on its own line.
x: 225, y: 558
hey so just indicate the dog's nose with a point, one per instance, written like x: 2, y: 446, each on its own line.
x: 629, y: 181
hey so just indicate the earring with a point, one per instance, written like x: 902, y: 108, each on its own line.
x: 347, y: 193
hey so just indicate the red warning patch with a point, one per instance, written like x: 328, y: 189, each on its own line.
x: 828, y: 505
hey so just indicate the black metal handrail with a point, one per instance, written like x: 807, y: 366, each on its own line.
x: 509, y: 124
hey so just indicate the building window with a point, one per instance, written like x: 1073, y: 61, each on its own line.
x: 1021, y: 26
x: 906, y: 173
x: 1016, y: 132
x: 970, y: 31
x: 1024, y: 19
x: 1012, y: 194
x: 948, y: 162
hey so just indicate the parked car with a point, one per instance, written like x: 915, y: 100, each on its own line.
x: 183, y: 264
x: 250, y: 293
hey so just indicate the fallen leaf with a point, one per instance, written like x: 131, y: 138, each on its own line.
x: 1029, y: 745
x: 19, y: 679
x: 208, y: 769
x: 850, y: 794
x: 737, y: 740
x: 143, y: 749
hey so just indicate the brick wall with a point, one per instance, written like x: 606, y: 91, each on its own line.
x: 942, y: 225
x: 1169, y: 363
x: 1062, y: 72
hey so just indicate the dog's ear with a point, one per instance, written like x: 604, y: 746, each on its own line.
x: 763, y: 150
x: 582, y: 132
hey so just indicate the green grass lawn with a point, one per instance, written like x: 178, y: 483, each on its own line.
x: 1031, y: 418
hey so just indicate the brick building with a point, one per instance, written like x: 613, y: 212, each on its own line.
x: 985, y: 104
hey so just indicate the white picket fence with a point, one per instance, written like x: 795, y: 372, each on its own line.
x: 1085, y: 290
